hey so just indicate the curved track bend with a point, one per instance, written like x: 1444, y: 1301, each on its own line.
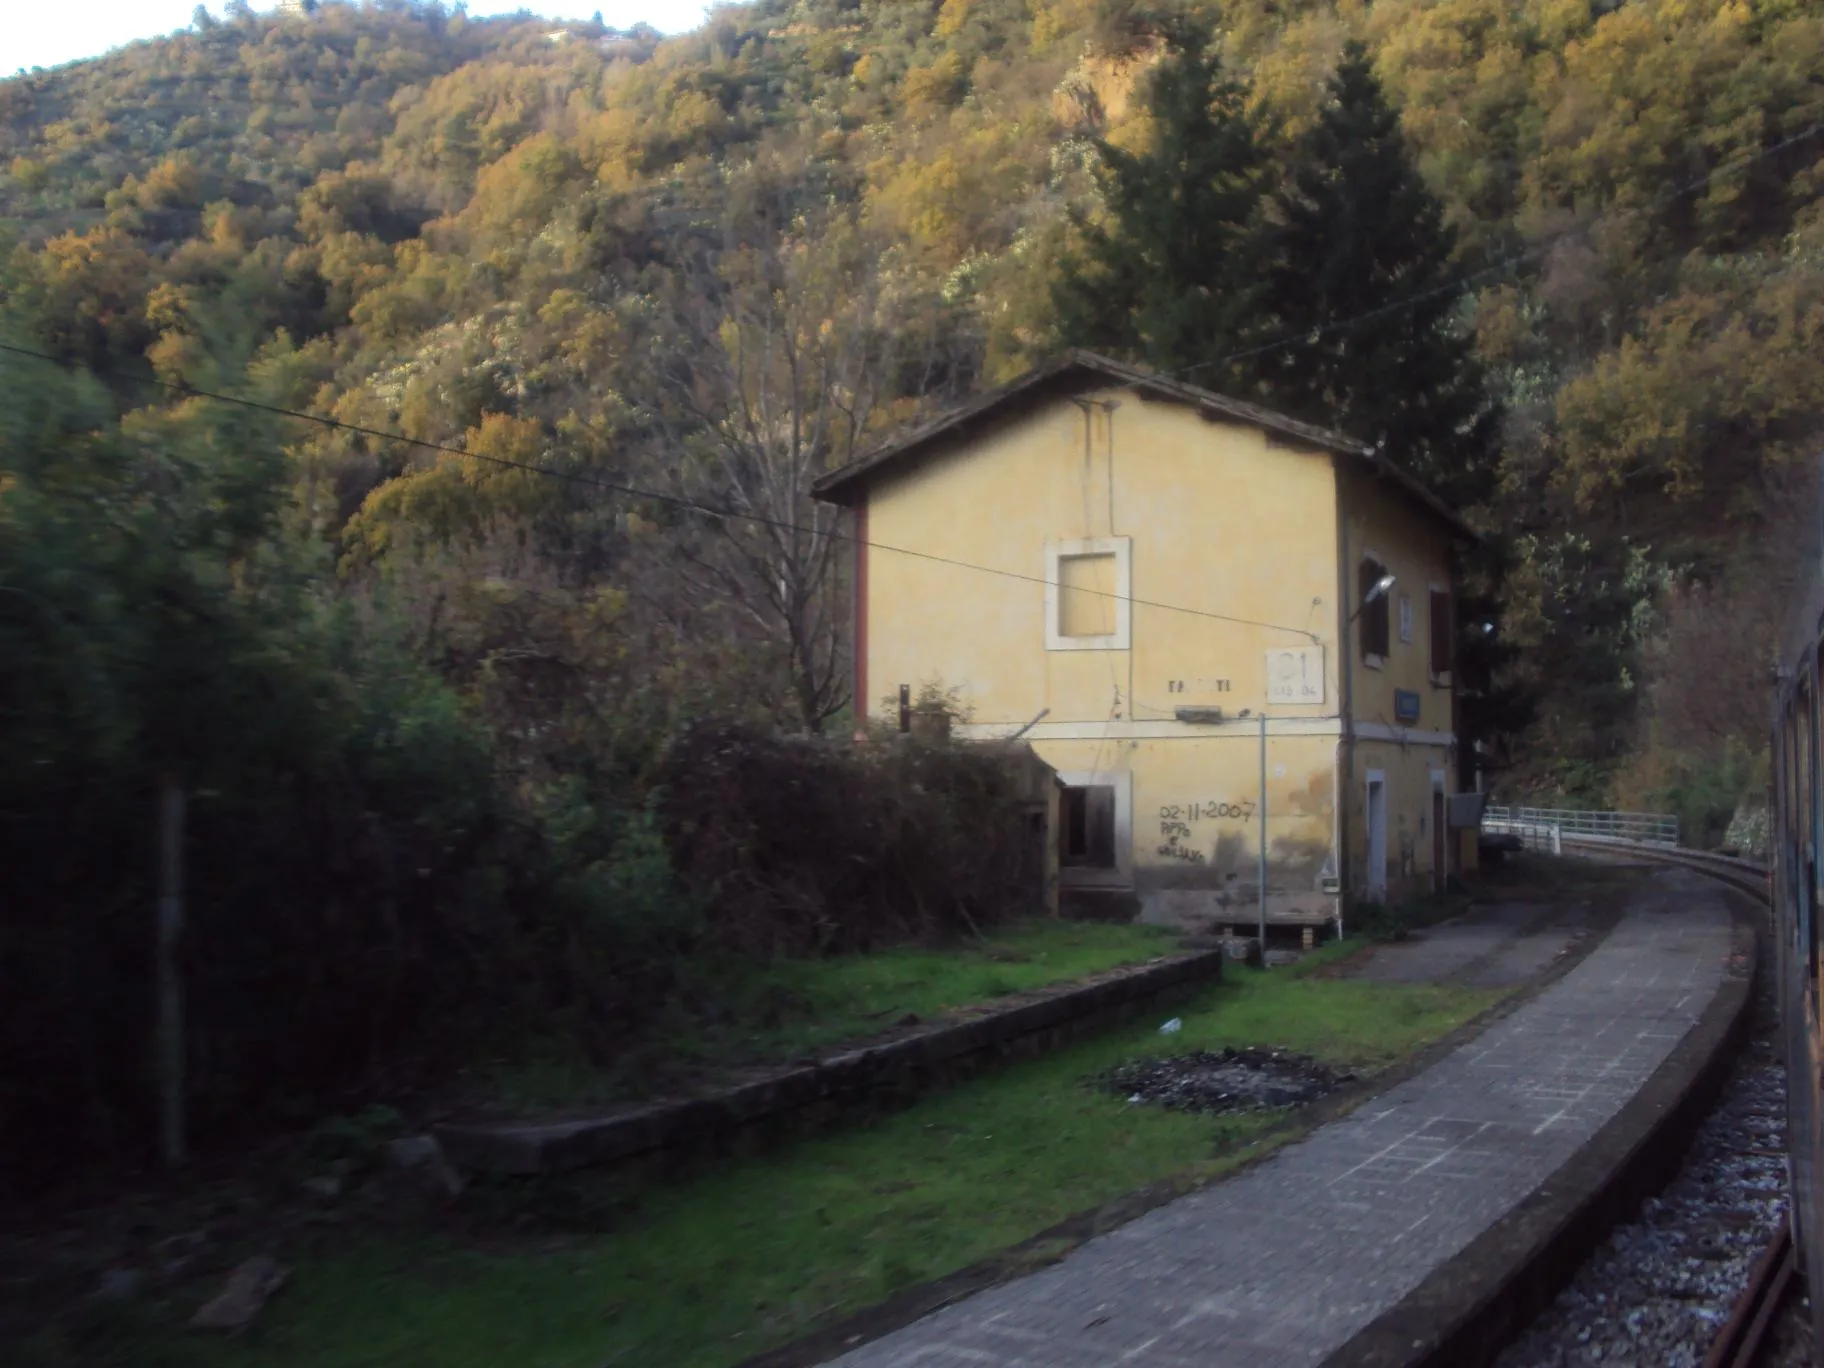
x: 1740, y: 1342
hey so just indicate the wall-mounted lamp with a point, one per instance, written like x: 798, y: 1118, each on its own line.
x: 1377, y: 590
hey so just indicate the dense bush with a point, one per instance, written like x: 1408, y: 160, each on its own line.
x: 802, y: 846
x: 380, y: 888
x: 1705, y: 790
x: 434, y: 816
x: 364, y: 895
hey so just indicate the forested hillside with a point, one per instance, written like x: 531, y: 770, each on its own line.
x: 706, y: 268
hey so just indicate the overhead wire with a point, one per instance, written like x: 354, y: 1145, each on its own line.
x: 637, y: 491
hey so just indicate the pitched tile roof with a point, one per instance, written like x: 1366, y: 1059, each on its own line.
x: 1074, y: 370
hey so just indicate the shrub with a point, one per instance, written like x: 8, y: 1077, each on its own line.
x: 805, y: 846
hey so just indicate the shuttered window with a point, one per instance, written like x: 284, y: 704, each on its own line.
x: 1374, y: 619
x: 1442, y: 656
x: 1087, y: 838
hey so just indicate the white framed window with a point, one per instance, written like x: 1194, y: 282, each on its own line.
x: 1096, y: 828
x: 1089, y: 588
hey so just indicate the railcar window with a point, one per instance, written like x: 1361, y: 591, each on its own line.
x: 1801, y: 832
x: 1782, y: 807
x: 1788, y: 818
x: 1808, y: 781
x: 1789, y: 731
x: 1793, y: 819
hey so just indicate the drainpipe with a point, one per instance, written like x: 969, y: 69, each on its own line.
x: 1336, y: 823
x: 858, y: 665
x: 1459, y: 757
x: 1263, y: 838
x: 1346, y: 704
x: 1088, y: 407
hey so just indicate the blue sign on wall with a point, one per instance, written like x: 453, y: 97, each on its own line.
x: 1405, y: 705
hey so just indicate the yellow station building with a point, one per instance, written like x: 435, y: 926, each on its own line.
x: 1132, y: 573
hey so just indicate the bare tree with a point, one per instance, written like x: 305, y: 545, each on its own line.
x: 780, y: 352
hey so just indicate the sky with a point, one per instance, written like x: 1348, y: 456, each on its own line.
x: 45, y: 33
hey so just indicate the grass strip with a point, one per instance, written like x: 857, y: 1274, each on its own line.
x: 704, y: 1272
x: 766, y: 1013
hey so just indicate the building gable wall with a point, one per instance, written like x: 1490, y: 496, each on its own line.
x: 1155, y: 707
x: 1213, y: 517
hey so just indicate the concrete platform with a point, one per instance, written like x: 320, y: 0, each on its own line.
x: 1493, y: 946
x: 1385, y: 1229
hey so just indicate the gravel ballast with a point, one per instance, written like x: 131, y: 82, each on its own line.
x: 1661, y: 1287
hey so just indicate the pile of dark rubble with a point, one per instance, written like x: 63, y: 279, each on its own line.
x: 1662, y: 1286
x: 1223, y: 1080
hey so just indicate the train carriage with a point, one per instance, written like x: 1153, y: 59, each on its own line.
x: 1796, y: 874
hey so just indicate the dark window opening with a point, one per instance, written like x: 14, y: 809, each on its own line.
x: 1441, y: 634
x: 1375, y: 619
x: 1808, y: 807
x: 1088, y: 827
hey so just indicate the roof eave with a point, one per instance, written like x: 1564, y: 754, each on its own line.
x: 845, y: 485
x: 846, y: 482
x: 1387, y: 470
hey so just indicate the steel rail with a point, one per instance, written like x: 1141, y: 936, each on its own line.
x: 1746, y: 875
x: 1738, y: 1344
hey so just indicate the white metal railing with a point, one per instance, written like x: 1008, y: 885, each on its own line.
x: 1544, y: 828
x: 1540, y: 836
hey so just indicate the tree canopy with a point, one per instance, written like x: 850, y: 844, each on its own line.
x: 1170, y: 272
x: 1364, y: 278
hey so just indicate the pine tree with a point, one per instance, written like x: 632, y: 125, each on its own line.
x: 1363, y: 275
x: 1172, y: 276
x: 1362, y: 271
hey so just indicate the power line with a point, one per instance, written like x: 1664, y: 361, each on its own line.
x: 1506, y: 263
x: 636, y: 491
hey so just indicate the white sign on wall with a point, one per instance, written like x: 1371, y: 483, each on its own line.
x: 1295, y: 674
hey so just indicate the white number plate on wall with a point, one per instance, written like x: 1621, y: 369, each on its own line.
x: 1296, y: 675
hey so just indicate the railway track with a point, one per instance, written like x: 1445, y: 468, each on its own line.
x: 1749, y: 876
x: 1738, y: 1344
x: 1745, y: 1334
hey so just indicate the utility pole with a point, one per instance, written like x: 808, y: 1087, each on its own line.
x: 1263, y: 837
x: 170, y: 1034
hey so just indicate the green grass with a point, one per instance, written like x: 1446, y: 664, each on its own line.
x: 791, y: 1008
x: 849, y: 995
x: 706, y: 1271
